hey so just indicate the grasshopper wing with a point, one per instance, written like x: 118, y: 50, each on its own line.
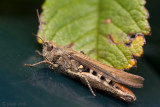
x: 114, y: 74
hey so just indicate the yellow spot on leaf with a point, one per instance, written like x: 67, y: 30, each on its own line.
x: 137, y: 44
x: 132, y: 62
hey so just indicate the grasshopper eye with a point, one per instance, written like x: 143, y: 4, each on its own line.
x: 49, y: 47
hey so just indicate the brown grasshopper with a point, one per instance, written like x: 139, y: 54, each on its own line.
x: 90, y: 72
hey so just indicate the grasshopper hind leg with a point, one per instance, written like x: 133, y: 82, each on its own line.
x: 89, y: 86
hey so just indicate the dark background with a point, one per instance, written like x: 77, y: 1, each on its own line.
x: 25, y: 87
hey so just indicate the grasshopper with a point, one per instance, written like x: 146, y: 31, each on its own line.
x: 90, y: 72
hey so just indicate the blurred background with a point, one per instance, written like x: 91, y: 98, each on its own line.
x: 29, y: 87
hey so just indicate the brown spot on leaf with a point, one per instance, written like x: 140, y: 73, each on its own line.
x: 135, y: 41
x: 128, y: 44
x: 139, y: 36
x: 109, y: 37
x: 107, y: 21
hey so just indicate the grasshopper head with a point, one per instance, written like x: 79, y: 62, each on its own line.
x: 48, y: 45
x: 49, y: 49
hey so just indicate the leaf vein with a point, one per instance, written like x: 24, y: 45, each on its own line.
x: 83, y: 35
x: 78, y: 18
x: 118, y: 27
x: 128, y: 13
x: 98, y: 10
x: 103, y: 58
x: 58, y: 9
x: 85, y: 44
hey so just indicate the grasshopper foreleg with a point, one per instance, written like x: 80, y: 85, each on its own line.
x: 39, y: 53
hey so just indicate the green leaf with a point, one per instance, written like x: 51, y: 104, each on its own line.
x: 103, y: 29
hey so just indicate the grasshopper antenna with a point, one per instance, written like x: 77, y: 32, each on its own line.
x: 40, y: 25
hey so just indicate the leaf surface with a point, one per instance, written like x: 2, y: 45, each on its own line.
x: 104, y: 29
